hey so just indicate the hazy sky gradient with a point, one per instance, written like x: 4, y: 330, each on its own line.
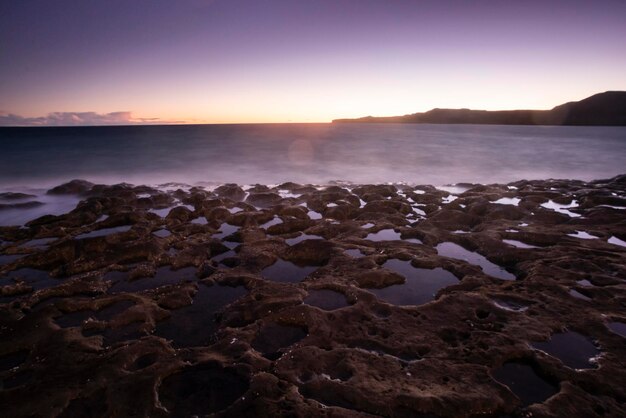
x: 223, y: 61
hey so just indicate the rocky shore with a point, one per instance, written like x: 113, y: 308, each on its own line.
x: 300, y: 300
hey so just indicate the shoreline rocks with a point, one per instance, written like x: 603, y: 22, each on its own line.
x: 84, y: 294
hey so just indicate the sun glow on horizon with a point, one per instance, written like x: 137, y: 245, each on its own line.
x: 284, y: 61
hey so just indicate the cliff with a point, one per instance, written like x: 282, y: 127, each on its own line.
x: 608, y: 108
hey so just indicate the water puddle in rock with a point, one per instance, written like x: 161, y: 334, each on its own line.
x: 225, y: 230
x: 8, y: 259
x: 582, y: 235
x: 612, y: 207
x: 314, y: 215
x: 200, y: 221
x: 452, y: 250
x: 40, y: 243
x: 420, y: 287
x: 161, y: 212
x: 195, y: 325
x: 389, y: 235
x: 162, y: 233
x: 20, y: 378
x: 618, y: 327
x: 354, y: 252
x: 275, y: 221
x: 164, y: 276
x: 201, y: 389
x: 286, y: 272
x: 273, y: 338
x: 300, y: 238
x: 367, y: 225
x: 326, y: 299
x: 127, y: 332
x: 235, y: 210
x: 573, y: 349
x: 449, y: 199
x: 525, y: 383
x: 37, y: 279
x: 510, y: 305
x: 104, y: 232
x: 218, y: 258
x: 584, y: 283
x: 450, y: 188
x: 165, y: 211
x: 518, y: 244
x: 616, y: 241
x: 575, y: 293
x: 76, y: 319
x: 12, y: 360
x: 514, y: 201
x: 562, y: 208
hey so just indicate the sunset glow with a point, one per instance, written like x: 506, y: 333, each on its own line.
x: 295, y: 61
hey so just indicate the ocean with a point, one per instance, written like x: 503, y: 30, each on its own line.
x: 307, y: 153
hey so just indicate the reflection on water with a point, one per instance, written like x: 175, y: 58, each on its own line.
x: 286, y: 271
x: 326, y: 299
x: 103, y: 232
x: 195, y: 324
x: 420, y: 287
x: 518, y: 244
x: 524, y: 383
x: 354, y: 252
x: 389, y: 235
x: 573, y: 349
x: 452, y: 250
x: 273, y: 338
x: 361, y: 153
x: 164, y: 276
x: 300, y: 238
x: 618, y: 328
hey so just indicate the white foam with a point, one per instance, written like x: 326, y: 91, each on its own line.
x: 286, y: 193
x: 453, y: 188
x: 449, y: 199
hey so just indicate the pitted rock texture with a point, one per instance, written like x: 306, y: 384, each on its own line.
x: 89, y: 299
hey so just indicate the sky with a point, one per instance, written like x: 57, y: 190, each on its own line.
x: 66, y: 62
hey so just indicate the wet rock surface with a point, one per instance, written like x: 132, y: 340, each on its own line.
x: 301, y: 300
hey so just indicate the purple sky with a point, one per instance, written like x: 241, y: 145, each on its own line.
x: 299, y: 60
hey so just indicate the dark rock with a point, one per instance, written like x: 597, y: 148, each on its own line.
x: 72, y: 187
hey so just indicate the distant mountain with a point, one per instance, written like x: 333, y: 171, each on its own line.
x: 608, y: 108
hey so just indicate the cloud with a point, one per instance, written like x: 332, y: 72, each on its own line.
x: 78, y: 119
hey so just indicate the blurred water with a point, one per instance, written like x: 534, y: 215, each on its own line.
x: 308, y: 153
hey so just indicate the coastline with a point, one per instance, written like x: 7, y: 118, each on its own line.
x: 299, y: 297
